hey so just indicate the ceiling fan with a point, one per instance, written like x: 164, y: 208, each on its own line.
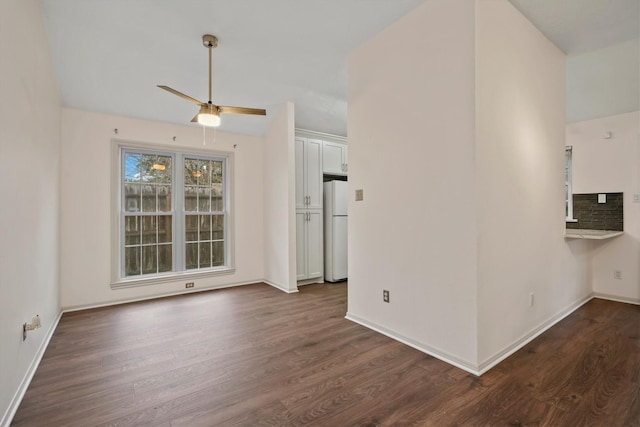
x: 209, y: 114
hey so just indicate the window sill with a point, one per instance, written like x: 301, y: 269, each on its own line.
x: 570, y: 220
x: 171, y: 277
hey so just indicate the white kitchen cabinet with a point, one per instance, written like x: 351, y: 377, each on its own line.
x: 334, y: 158
x: 309, y: 260
x: 308, y: 173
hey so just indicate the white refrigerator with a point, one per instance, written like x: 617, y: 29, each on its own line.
x: 335, y: 231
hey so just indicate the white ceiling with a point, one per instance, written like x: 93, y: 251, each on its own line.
x: 109, y: 55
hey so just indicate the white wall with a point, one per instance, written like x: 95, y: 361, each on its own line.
x: 411, y: 149
x: 279, y: 201
x: 87, y: 210
x: 520, y: 81
x: 29, y: 190
x: 456, y: 135
x: 605, y: 166
x: 603, y: 82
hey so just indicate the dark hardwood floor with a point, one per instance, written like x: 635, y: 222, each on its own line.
x: 252, y: 356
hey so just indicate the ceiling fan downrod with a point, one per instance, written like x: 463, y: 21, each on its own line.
x: 210, y: 42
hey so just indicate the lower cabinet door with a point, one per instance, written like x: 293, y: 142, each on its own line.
x: 315, y: 266
x: 309, y: 256
x: 301, y: 244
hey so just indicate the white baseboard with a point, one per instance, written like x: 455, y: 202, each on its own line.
x: 616, y: 298
x: 465, y: 364
x: 163, y: 295
x: 311, y: 281
x: 431, y: 351
x: 28, y: 376
x: 534, y: 333
x: 281, y: 288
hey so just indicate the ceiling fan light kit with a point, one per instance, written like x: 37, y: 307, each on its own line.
x: 209, y: 114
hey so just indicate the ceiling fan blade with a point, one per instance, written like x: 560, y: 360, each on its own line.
x: 181, y: 95
x: 242, y: 110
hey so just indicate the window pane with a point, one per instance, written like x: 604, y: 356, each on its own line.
x: 132, y: 261
x: 205, y: 169
x: 162, y: 170
x: 164, y: 229
x: 205, y: 227
x: 146, y: 167
x: 217, y: 204
x: 218, y: 254
x: 217, y: 227
x: 190, y: 172
x: 191, y: 256
x: 191, y: 228
x: 149, y: 259
x: 165, y: 258
x: 164, y: 198
x: 132, y: 230
x: 204, y: 199
x: 205, y: 254
x: 132, y: 197
x: 216, y: 173
x: 149, y: 229
x: 131, y: 167
x: 190, y: 199
x: 148, y: 198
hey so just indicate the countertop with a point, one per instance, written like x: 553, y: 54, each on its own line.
x: 579, y: 233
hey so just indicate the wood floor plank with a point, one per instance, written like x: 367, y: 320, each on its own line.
x: 254, y: 356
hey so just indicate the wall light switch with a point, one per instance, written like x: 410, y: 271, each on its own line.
x: 602, y: 198
x: 636, y: 198
x: 359, y: 195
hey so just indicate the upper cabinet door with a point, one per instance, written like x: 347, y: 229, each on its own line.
x: 308, y: 174
x: 301, y: 193
x: 313, y: 173
x: 334, y: 158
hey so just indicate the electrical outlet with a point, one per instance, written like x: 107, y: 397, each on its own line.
x: 531, y: 299
x: 359, y: 195
x: 385, y: 295
x: 189, y: 285
x: 617, y: 274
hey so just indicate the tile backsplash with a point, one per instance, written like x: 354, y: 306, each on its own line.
x: 592, y: 215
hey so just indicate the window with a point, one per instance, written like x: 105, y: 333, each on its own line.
x: 568, y: 190
x: 174, y: 213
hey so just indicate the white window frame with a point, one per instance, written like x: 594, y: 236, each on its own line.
x: 568, y: 165
x: 179, y: 273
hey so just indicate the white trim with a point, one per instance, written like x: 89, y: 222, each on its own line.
x: 281, y: 288
x: 312, y: 281
x: 534, y: 333
x: 178, y: 154
x: 174, y: 276
x: 304, y: 133
x: 465, y: 365
x: 28, y: 376
x: 617, y: 298
x: 162, y: 295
